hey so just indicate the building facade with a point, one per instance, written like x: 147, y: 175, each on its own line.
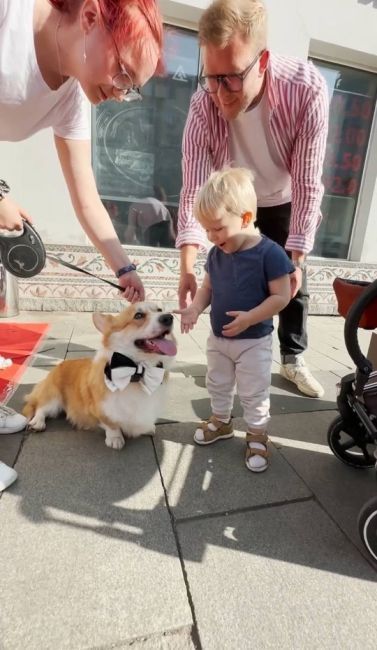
x: 136, y: 152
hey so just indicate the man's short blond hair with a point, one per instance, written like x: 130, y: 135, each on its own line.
x: 223, y: 19
x: 229, y: 191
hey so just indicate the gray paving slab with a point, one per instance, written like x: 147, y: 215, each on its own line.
x: 31, y: 376
x: 50, y: 353
x: 331, y: 351
x: 319, y: 362
x: 190, y: 369
x: 60, y: 323
x: 180, y: 640
x: 320, y: 326
x: 342, y: 490
x: 214, y: 479
x: 190, y: 352
x: 200, y: 336
x: 53, y: 346
x: 9, y: 447
x: 283, y: 577
x: 58, y: 318
x: 60, y: 328
x: 188, y: 398
x: 88, y: 342
x: 203, y: 321
x: 286, y: 398
x: 85, y: 336
x: 79, y: 354
x: 88, y: 556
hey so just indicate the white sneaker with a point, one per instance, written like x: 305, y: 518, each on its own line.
x: 10, y: 421
x: 300, y: 375
x: 7, y: 476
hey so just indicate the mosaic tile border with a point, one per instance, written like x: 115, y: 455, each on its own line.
x: 60, y: 289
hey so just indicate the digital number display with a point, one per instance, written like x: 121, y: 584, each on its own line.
x: 349, y: 125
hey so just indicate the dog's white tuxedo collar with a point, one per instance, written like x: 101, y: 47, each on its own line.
x: 122, y: 370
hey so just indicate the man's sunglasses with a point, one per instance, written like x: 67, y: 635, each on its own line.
x: 233, y: 83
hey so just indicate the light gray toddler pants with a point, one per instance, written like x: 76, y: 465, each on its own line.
x: 247, y: 364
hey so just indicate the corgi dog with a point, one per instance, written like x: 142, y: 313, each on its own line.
x: 121, y: 389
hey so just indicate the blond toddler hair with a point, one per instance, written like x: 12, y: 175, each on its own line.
x: 228, y: 191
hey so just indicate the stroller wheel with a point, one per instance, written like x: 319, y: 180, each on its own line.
x: 367, y: 523
x: 354, y: 448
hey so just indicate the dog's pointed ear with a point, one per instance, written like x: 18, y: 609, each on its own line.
x: 101, y: 321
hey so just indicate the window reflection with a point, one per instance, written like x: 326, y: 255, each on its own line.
x: 137, y: 148
x: 352, y: 95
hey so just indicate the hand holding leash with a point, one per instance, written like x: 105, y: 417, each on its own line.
x: 12, y: 215
x: 23, y: 255
x: 132, y: 287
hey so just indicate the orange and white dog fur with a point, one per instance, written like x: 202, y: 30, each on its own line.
x: 143, y: 333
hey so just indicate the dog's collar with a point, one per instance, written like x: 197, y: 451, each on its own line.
x: 121, y: 370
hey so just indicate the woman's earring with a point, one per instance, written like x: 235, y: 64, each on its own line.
x: 84, y: 48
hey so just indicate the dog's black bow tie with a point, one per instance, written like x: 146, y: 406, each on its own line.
x: 119, y: 360
x: 122, y: 370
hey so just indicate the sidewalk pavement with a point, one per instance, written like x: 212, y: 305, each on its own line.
x: 166, y: 545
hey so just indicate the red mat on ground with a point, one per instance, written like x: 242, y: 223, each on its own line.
x: 18, y: 341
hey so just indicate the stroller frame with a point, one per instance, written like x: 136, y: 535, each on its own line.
x: 356, y: 419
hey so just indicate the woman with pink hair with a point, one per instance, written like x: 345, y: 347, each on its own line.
x: 53, y: 53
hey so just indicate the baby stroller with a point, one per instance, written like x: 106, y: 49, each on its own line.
x: 352, y: 436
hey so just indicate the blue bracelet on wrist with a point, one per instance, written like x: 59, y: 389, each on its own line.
x: 125, y: 269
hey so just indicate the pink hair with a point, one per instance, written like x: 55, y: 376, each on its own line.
x: 126, y: 20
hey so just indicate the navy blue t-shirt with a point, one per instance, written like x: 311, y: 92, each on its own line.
x: 240, y: 282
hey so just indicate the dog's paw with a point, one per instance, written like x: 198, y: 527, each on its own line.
x: 36, y: 424
x: 115, y: 442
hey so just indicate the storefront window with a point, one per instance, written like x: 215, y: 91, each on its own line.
x: 137, y: 148
x: 352, y: 96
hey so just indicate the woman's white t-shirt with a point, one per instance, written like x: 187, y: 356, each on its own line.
x: 27, y: 104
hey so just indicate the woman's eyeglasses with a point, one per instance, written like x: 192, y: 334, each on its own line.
x: 233, y: 83
x: 123, y: 80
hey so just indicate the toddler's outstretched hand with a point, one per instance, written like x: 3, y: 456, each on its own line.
x: 189, y: 316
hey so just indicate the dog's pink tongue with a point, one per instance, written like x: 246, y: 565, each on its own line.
x: 164, y: 346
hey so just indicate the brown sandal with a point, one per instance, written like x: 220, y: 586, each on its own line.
x: 222, y: 432
x: 255, y: 451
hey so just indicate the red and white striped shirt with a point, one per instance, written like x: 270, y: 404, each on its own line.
x: 298, y: 103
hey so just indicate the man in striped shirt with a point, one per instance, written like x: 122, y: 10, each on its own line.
x: 270, y: 114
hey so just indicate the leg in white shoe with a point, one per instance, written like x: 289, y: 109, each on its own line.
x: 7, y: 476
x: 299, y: 374
x: 10, y: 421
x: 253, y: 372
x: 257, y: 462
x: 199, y: 435
x: 220, y: 380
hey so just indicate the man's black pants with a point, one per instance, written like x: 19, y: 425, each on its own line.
x: 273, y: 222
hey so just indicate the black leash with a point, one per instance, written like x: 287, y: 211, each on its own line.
x: 77, y: 268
